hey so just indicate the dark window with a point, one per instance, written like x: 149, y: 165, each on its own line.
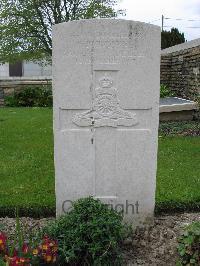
x: 15, y: 70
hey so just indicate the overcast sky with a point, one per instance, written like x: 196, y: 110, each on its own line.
x: 150, y: 10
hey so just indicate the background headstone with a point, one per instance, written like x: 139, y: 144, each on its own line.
x: 106, y: 108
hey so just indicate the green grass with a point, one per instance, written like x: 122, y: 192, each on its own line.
x: 26, y: 161
x: 178, y: 175
x: 27, y: 170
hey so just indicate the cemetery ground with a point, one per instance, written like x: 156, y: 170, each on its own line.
x: 27, y: 169
x: 27, y: 180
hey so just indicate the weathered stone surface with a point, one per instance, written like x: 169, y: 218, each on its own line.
x: 106, y: 105
x: 8, y: 91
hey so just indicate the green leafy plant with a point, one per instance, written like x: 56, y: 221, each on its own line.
x: 89, y: 234
x: 189, y: 245
x: 32, y: 38
x: 10, y: 101
x: 31, y: 96
x: 181, y: 128
x: 165, y: 91
x: 2, y: 262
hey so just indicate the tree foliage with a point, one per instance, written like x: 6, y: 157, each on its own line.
x: 170, y: 38
x: 26, y: 26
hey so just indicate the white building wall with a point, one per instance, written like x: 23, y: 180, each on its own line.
x: 47, y: 70
x: 31, y: 69
x: 4, y: 70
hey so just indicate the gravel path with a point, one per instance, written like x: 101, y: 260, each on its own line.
x: 153, y: 245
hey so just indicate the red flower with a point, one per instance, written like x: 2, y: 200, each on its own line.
x: 46, y: 251
x: 3, y: 240
x: 17, y: 261
x: 49, y: 249
x: 25, y: 248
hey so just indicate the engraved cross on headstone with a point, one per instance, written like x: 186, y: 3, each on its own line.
x: 105, y: 116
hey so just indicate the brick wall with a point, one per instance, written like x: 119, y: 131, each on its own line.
x: 180, y: 69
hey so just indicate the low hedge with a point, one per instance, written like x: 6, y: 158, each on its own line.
x: 28, y: 211
x: 175, y: 207
x: 31, y: 96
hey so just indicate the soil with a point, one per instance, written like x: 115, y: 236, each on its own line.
x: 157, y: 244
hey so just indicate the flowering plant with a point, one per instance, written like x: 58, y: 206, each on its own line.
x: 45, y: 253
x: 27, y: 253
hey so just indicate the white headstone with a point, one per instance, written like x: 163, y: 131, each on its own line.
x: 106, y: 76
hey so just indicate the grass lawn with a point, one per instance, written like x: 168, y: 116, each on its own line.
x: 178, y: 174
x: 27, y: 171
x: 26, y: 160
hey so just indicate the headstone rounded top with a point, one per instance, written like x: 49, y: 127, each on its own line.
x: 85, y: 25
